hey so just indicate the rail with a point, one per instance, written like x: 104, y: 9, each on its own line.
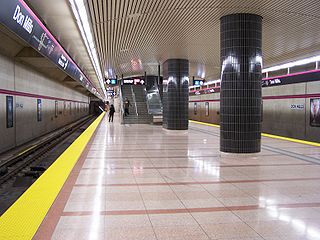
x: 154, y: 102
x: 121, y: 107
x: 134, y: 99
x: 12, y: 166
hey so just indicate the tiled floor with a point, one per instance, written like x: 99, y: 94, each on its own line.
x: 143, y: 182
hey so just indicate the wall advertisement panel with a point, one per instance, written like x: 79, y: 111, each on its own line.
x: 207, y: 108
x: 9, y: 111
x: 39, y: 110
x: 315, y: 112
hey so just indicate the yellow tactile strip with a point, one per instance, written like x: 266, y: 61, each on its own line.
x: 24, y: 217
x: 268, y: 135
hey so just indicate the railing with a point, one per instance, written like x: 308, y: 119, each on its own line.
x: 147, y: 100
x: 154, y: 102
x: 134, y: 99
x: 121, y: 108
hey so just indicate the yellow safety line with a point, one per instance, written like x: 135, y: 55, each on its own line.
x: 206, y: 124
x: 291, y: 139
x: 23, y: 218
x: 268, y: 135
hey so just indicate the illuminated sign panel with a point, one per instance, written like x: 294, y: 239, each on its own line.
x: 315, y: 112
x: 308, y: 76
x: 20, y: 19
x: 111, y: 81
x: 198, y: 82
x: 134, y: 81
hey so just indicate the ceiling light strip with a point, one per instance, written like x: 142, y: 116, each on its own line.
x: 80, y: 13
x: 292, y: 64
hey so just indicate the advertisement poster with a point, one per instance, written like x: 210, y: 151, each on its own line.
x: 9, y: 109
x: 315, y: 112
x: 56, y: 109
x: 39, y: 107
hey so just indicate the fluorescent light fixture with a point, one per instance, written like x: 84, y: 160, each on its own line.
x: 292, y: 64
x: 278, y: 67
x: 212, y: 81
x: 80, y: 13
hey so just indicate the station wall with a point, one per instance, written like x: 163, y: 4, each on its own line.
x: 32, y: 92
x: 286, y: 110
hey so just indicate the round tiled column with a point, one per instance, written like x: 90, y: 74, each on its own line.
x: 241, y: 65
x: 175, y: 94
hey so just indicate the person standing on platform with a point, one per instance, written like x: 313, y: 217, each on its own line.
x: 127, y: 104
x: 106, y: 107
x: 111, y: 113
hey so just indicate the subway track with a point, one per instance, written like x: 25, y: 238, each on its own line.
x: 18, y: 172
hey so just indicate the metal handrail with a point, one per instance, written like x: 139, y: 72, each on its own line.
x: 156, y: 87
x: 121, y: 108
x: 158, y: 90
x: 134, y: 99
x: 146, y: 96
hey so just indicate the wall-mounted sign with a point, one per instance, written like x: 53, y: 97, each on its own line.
x: 20, y: 19
x: 315, y: 112
x: 198, y: 82
x: 301, y: 77
x: 297, y: 106
x: 271, y: 82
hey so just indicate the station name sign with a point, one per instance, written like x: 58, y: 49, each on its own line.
x: 302, y: 77
x: 20, y: 19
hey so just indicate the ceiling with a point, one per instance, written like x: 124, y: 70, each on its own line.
x: 134, y: 36
x: 59, y: 19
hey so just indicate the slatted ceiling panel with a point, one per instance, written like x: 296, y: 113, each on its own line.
x: 154, y: 30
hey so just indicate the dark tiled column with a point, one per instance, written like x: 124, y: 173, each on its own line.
x: 241, y: 60
x: 175, y: 94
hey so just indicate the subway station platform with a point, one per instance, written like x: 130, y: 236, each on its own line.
x: 144, y: 182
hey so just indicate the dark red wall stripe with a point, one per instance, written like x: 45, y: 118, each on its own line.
x: 316, y: 95
x: 23, y: 94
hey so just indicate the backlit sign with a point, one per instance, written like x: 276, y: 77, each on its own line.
x: 111, y: 81
x: 134, y: 81
x: 198, y: 82
x: 20, y: 19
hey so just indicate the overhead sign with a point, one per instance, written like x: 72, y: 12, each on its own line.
x: 198, y: 82
x: 134, y: 81
x: 111, y: 81
x: 20, y: 19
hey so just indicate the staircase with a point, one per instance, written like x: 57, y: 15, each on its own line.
x: 138, y: 110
